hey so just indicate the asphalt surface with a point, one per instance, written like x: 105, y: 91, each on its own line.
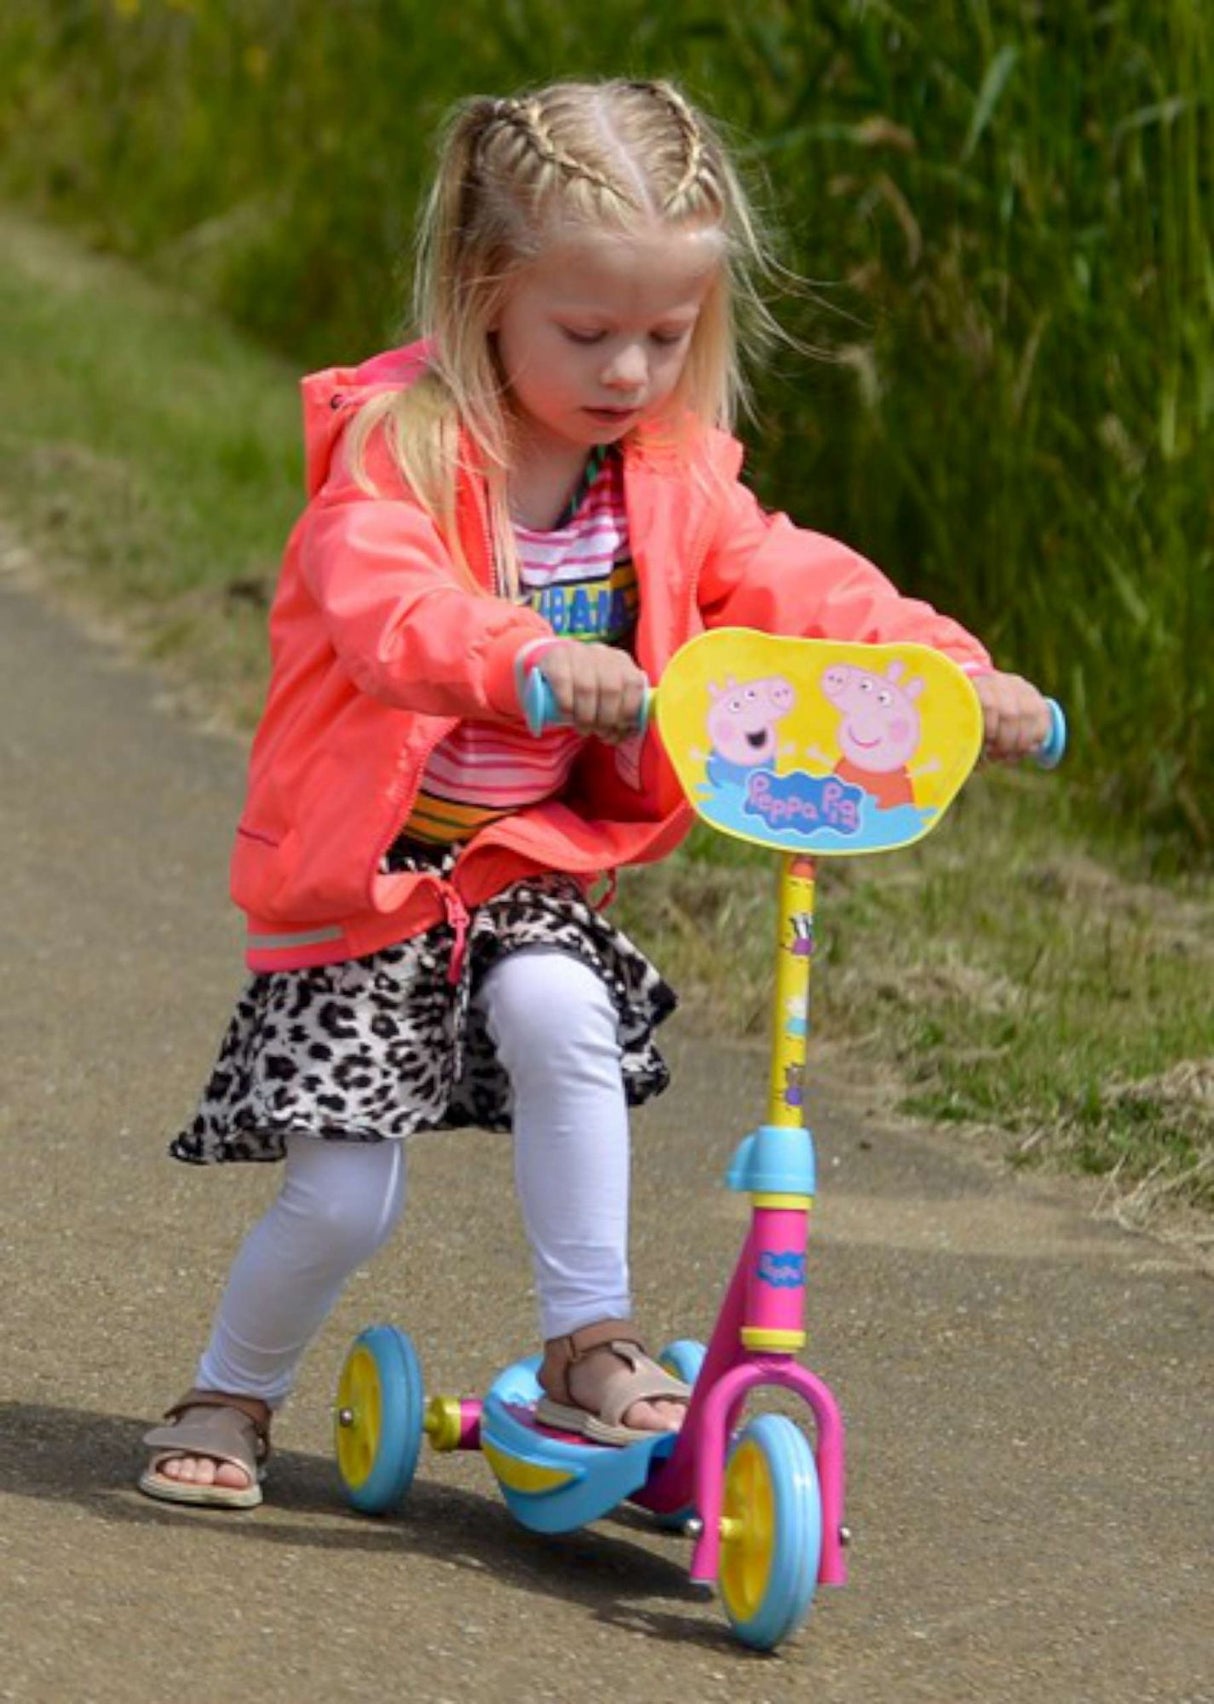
x: 1026, y: 1388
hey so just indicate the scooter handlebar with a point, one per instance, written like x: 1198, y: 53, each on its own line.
x: 540, y: 712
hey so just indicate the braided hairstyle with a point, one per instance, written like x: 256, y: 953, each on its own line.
x: 612, y: 155
x: 639, y: 145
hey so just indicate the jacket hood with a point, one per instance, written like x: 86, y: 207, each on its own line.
x: 331, y: 397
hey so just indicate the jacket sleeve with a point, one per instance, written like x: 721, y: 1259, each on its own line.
x: 405, y: 626
x: 762, y: 571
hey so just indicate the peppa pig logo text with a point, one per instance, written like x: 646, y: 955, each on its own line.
x: 804, y: 803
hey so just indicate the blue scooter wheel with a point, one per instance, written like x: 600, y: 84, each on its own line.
x: 378, y: 1425
x: 772, y: 1532
x: 683, y: 1360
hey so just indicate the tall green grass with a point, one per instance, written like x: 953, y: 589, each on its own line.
x: 998, y: 973
x: 1005, y: 205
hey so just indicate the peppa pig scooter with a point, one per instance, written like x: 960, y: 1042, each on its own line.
x: 812, y: 749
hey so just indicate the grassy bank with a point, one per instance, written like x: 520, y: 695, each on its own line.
x: 1008, y: 205
x: 1003, y: 974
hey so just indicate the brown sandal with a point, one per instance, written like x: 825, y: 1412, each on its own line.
x: 639, y: 1379
x: 223, y: 1427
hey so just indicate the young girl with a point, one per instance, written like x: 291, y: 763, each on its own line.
x: 546, y: 476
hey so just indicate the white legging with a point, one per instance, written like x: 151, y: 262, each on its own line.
x: 554, y: 1027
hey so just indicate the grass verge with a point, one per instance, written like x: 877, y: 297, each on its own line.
x: 1002, y: 975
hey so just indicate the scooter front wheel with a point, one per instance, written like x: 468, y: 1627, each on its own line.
x: 771, y: 1542
x: 378, y: 1424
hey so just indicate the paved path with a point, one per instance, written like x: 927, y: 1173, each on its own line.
x: 1029, y: 1434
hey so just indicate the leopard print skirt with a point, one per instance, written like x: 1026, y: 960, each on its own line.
x: 381, y: 1047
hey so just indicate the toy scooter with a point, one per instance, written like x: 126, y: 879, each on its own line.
x: 813, y: 749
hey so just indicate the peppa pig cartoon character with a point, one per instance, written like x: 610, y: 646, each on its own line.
x: 742, y: 727
x: 879, y: 730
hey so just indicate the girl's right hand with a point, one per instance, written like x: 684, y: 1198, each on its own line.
x: 1015, y: 717
x: 598, y: 689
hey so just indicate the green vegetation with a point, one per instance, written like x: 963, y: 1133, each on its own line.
x: 1008, y: 201
x: 1000, y: 974
x: 154, y: 462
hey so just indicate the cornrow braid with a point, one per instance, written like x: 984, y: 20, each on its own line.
x: 689, y: 129
x: 526, y: 116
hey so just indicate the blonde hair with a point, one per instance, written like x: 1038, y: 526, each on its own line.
x: 609, y: 155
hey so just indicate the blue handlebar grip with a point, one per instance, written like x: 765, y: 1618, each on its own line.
x: 1050, y: 752
x: 540, y: 711
x: 539, y: 705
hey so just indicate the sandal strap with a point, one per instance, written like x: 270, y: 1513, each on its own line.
x: 645, y: 1381
x: 255, y: 1416
x: 576, y: 1345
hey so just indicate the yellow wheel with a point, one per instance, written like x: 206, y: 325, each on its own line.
x: 378, y: 1425
x: 771, y: 1532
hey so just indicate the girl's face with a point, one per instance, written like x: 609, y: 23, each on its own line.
x: 596, y: 330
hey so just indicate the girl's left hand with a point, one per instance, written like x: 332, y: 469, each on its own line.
x: 1016, y: 717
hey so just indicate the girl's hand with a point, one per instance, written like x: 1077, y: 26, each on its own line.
x: 1016, y: 717
x: 598, y: 689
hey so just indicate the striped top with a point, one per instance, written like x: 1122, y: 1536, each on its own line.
x: 580, y: 577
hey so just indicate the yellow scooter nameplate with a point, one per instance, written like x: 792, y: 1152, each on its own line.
x: 814, y: 746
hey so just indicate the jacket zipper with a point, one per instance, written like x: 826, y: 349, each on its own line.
x: 399, y: 818
x: 454, y: 910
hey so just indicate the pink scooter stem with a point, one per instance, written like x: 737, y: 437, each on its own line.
x: 762, y: 1319
x: 694, y: 1473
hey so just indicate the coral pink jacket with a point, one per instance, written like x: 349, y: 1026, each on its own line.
x: 379, y: 648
